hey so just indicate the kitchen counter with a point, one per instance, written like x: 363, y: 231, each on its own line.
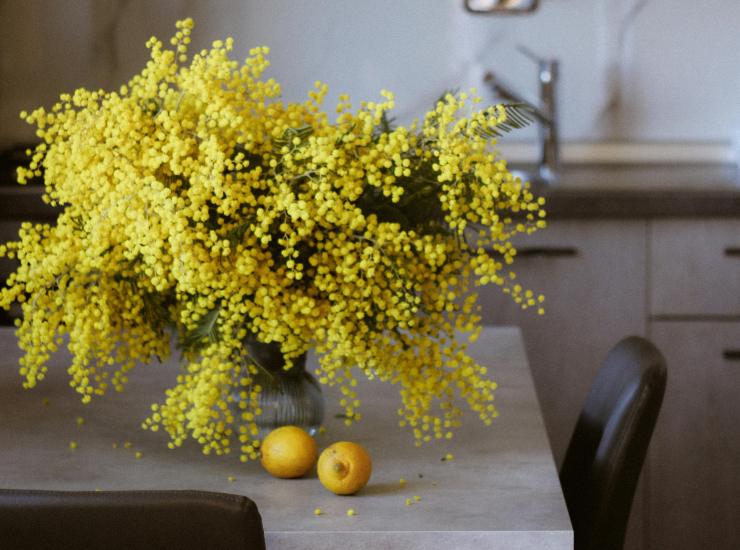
x: 501, y: 491
x: 645, y: 191
x: 585, y: 191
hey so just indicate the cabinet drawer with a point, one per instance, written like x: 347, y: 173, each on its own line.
x: 695, y: 267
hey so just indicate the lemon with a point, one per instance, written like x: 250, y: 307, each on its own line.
x: 288, y: 452
x: 344, y: 468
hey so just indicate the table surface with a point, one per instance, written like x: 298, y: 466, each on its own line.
x: 500, y: 491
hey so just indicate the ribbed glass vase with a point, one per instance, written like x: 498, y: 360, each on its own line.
x: 288, y: 397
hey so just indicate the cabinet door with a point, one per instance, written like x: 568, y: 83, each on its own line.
x: 693, y: 468
x: 592, y: 274
x: 8, y: 232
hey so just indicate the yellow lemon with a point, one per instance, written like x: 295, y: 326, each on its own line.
x: 288, y: 452
x: 344, y: 468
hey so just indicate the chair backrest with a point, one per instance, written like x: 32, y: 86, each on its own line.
x: 608, y: 447
x: 130, y: 520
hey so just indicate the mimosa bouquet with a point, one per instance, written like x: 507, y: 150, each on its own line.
x: 194, y: 202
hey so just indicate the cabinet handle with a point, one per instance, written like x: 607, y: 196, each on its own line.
x: 731, y: 354
x: 552, y: 251
x: 733, y: 251
x: 540, y: 252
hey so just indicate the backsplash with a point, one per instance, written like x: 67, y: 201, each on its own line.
x: 631, y: 70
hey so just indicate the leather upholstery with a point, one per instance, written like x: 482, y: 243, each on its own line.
x: 128, y: 520
x: 608, y: 447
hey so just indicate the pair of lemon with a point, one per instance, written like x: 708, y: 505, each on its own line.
x: 344, y: 467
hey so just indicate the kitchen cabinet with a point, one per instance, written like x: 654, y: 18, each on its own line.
x: 693, y: 465
x: 18, y: 203
x: 677, y: 281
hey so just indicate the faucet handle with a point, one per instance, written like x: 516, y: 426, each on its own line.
x: 526, y: 52
x: 548, y: 67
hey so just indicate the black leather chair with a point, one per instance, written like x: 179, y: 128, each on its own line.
x: 608, y: 447
x: 128, y: 520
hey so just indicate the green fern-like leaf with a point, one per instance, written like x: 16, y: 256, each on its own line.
x: 301, y: 132
x: 236, y: 234
x: 518, y: 115
x: 206, y: 329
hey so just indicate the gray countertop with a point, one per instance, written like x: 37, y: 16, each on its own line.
x: 584, y: 191
x: 501, y: 491
x: 645, y: 191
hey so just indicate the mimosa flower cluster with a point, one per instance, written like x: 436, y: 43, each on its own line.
x: 194, y: 201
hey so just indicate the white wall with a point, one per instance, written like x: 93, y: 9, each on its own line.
x: 671, y: 74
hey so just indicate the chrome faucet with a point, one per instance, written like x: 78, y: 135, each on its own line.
x: 544, y: 110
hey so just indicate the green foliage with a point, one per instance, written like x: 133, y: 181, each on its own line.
x: 518, y: 115
x: 286, y: 140
x: 205, y: 331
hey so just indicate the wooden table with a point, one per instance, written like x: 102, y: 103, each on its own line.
x: 501, y: 491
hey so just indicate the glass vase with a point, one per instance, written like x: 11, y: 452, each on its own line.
x: 288, y: 397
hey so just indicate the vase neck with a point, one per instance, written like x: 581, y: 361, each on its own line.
x: 271, y: 358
